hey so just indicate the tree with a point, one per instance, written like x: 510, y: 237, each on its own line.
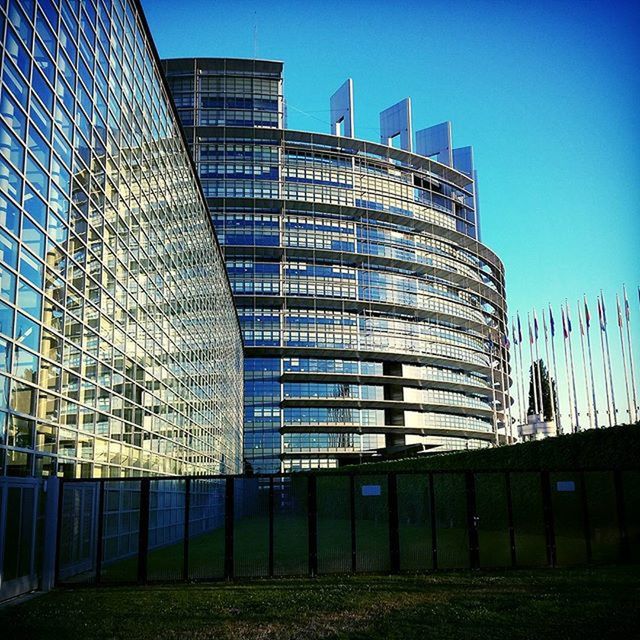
x: 549, y: 390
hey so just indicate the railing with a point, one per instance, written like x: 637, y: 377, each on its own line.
x: 140, y: 530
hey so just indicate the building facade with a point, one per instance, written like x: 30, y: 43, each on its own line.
x: 373, y: 317
x: 121, y: 349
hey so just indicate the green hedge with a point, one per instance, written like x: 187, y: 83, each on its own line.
x: 614, y: 447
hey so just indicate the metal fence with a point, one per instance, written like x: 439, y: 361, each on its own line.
x: 223, y: 527
x: 27, y: 534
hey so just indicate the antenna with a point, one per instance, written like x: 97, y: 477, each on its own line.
x: 255, y: 35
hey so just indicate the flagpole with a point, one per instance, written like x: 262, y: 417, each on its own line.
x: 546, y: 350
x: 537, y: 367
x: 525, y: 396
x: 627, y: 313
x: 587, y: 317
x: 493, y: 394
x: 566, y: 368
x: 516, y: 367
x: 584, y: 368
x: 604, y: 360
x: 606, y: 343
x: 506, y: 396
x: 624, y: 357
x: 555, y: 369
x: 573, y: 373
x: 532, y: 374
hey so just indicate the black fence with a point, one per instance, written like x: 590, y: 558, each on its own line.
x: 206, y: 528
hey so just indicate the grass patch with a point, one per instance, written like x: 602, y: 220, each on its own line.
x: 518, y: 605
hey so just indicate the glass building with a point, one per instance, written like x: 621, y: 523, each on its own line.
x: 373, y: 317
x: 121, y: 349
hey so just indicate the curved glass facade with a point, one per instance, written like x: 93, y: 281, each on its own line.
x: 369, y: 309
x: 121, y: 349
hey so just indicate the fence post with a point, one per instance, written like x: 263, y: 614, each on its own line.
x: 548, y: 518
x: 585, y: 516
x: 100, y: 532
x: 434, y: 523
x: 312, y: 515
x: 56, y: 569
x: 271, y: 505
x: 622, y: 519
x: 228, y: 528
x: 394, y: 524
x: 51, y: 489
x: 143, y: 530
x: 352, y: 504
x: 512, y: 530
x: 472, y: 521
x: 185, y: 541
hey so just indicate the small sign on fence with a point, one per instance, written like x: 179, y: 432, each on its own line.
x: 371, y: 490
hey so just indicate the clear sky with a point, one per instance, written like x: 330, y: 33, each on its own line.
x: 548, y: 94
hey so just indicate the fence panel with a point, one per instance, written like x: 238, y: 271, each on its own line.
x: 372, y: 523
x: 493, y: 519
x: 414, y: 522
x: 451, y: 520
x: 21, y: 523
x: 604, y: 531
x: 528, y: 519
x: 79, y: 532
x: 121, y: 532
x: 206, y: 529
x: 165, y: 559
x: 251, y: 527
x: 631, y: 508
x: 334, y: 524
x: 290, y: 526
x: 569, y: 518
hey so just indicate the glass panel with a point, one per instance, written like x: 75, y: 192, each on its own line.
x: 414, y: 520
x: 334, y: 524
x: 166, y: 530
x: 206, y: 529
x: 120, y: 534
x: 493, y: 520
x: 451, y: 520
x: 290, y: 526
x: 528, y: 520
x: 566, y: 501
x: 603, y: 517
x: 251, y: 527
x: 372, y: 523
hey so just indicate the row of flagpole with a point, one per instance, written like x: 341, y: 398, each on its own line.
x: 567, y: 415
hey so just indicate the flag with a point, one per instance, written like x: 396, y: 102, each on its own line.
x: 580, y: 320
x: 552, y: 324
x: 568, y: 319
x: 627, y: 311
x: 535, y: 324
x: 544, y: 327
x: 520, y: 327
x: 530, y: 332
x: 602, y: 314
x: 619, y: 311
x: 564, y: 324
x: 587, y: 315
x: 513, y: 331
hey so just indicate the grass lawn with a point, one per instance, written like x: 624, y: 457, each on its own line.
x: 547, y: 604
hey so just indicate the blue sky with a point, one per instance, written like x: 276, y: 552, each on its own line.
x: 547, y: 93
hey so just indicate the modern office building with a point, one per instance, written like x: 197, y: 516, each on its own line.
x: 121, y: 348
x: 373, y: 317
